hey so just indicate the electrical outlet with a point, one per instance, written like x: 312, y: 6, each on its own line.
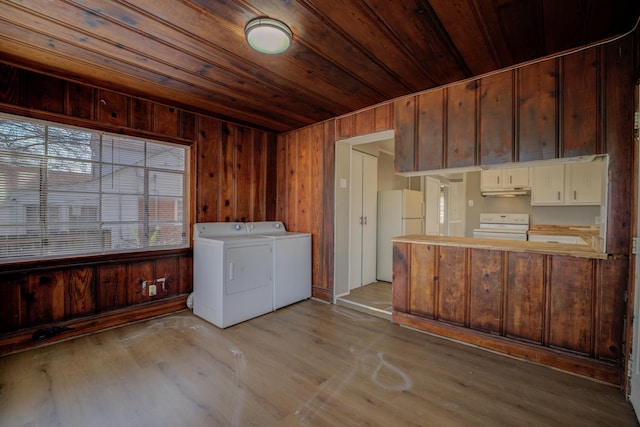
x: 152, y: 290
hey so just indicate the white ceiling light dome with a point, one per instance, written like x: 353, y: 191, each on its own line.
x: 268, y: 35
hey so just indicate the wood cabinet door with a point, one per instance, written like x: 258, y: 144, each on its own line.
x: 405, y: 134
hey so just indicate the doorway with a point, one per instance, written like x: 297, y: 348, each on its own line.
x: 375, y: 296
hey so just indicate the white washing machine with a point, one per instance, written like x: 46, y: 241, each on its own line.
x: 291, y: 261
x: 232, y: 273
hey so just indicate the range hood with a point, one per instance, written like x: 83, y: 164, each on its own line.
x: 507, y: 192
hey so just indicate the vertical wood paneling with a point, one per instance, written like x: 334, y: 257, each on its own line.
x: 43, y: 298
x: 141, y: 114
x: 430, y: 130
x: 404, y: 111
x: 312, y: 197
x: 242, y: 178
x: 282, y: 206
x: 227, y: 189
x: 10, y: 302
x: 461, y: 144
x: 618, y: 125
x: 112, y: 108
x: 80, y: 101
x: 525, y: 297
x: 364, y: 122
x: 305, y: 156
x: 209, y: 170
x: 401, y: 276
x: 452, y: 275
x: 496, y: 119
x: 271, y: 165
x: 579, y: 103
x: 383, y: 117
x: 10, y: 84
x: 571, y: 308
x: 111, y: 286
x: 165, y: 120
x: 537, y: 111
x: 422, y: 282
x: 169, y: 270
x: 325, y: 235
x: 258, y: 168
x: 185, y: 281
x: 45, y: 93
x: 611, y: 285
x: 485, y: 300
x: 187, y: 123
x: 140, y: 275
x: 79, y: 298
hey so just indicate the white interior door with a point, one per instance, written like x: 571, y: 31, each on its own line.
x: 634, y: 383
x: 355, y: 221
x: 370, y: 218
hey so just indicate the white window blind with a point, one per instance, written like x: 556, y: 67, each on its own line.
x: 68, y: 191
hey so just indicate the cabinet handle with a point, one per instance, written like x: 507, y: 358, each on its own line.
x: 365, y: 220
x: 575, y: 195
x: 360, y: 220
x: 510, y: 179
x: 558, y: 196
x: 498, y: 180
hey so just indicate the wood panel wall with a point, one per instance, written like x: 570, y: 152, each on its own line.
x: 563, y: 311
x: 232, y: 175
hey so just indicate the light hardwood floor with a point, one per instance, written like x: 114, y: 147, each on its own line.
x: 374, y: 298
x: 310, y: 364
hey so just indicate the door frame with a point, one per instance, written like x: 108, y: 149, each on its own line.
x: 632, y: 355
x: 342, y: 197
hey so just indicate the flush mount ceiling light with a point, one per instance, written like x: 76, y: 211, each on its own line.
x: 268, y: 35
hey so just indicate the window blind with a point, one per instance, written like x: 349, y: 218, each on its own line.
x: 69, y: 191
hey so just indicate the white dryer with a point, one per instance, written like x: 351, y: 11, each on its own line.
x: 291, y: 261
x: 232, y: 273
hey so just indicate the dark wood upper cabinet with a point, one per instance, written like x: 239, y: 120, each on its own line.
x: 405, y: 134
x: 461, y: 125
x: 431, y: 130
x: 496, y: 119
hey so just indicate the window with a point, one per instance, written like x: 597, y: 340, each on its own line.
x: 67, y: 191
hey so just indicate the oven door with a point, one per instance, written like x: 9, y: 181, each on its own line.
x: 485, y: 233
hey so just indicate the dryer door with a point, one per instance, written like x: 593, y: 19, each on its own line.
x: 248, y: 267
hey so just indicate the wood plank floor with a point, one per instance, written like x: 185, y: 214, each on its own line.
x: 310, y: 364
x: 374, y: 298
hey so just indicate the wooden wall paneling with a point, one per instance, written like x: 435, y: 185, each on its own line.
x: 537, y: 113
x: 282, y: 172
x: 258, y: 169
x: 271, y: 176
x: 80, y: 288
x: 208, y: 170
x: 383, y: 117
x: 612, y: 280
x: 364, y: 122
x: 496, y: 133
x: 486, y: 290
x: 618, y: 131
x: 165, y: 119
x: 43, y: 298
x: 227, y: 184
x: 580, y: 120
x: 311, y: 196
x: 525, y: 296
x: 169, y: 270
x: 111, y: 286
x: 10, y: 84
x: 461, y: 139
x: 430, y: 130
x: 452, y: 273
x: 401, y: 276
x: 80, y: 101
x: 324, y: 286
x: 112, y: 108
x: 141, y: 114
x: 345, y: 127
x: 187, y: 124
x: 242, y: 178
x: 185, y: 277
x: 140, y: 274
x: 292, y: 178
x: 423, y: 281
x: 45, y: 93
x: 571, y: 303
x: 404, y: 111
x: 10, y: 302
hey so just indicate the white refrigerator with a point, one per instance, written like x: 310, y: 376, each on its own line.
x: 400, y: 213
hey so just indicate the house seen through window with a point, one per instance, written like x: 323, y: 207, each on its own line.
x: 68, y: 191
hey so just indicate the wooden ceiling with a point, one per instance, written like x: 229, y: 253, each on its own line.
x: 345, y: 55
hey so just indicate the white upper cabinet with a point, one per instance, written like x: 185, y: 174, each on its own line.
x: 547, y: 185
x: 567, y: 184
x: 500, y: 179
x: 584, y: 183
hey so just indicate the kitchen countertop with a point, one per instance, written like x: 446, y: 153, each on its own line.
x: 582, y: 251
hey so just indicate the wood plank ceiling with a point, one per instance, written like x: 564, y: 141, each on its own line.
x: 345, y: 55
